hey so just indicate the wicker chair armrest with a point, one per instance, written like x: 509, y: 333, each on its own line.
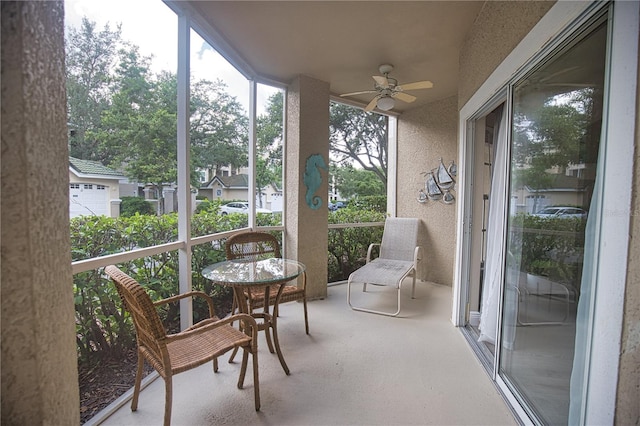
x: 178, y: 297
x: 212, y: 323
x: 304, y: 280
x: 370, y: 251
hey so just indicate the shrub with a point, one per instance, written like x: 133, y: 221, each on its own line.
x: 132, y: 205
x: 376, y: 203
x: 207, y: 205
x: 552, y: 247
x: 348, y: 246
x: 103, y: 327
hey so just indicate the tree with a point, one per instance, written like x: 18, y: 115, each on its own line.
x: 90, y: 58
x: 351, y: 182
x: 269, y: 144
x: 359, y: 137
x: 139, y: 128
x: 219, y: 127
x: 137, y: 131
x: 552, y: 137
x: 548, y: 134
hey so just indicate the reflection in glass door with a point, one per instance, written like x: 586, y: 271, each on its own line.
x: 555, y: 138
x: 487, y: 204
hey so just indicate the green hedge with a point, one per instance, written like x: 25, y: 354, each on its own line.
x: 348, y: 246
x: 376, y: 203
x: 551, y: 247
x: 132, y: 205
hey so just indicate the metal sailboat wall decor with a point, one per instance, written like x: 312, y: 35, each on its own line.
x: 439, y: 184
x: 445, y: 181
x: 433, y: 190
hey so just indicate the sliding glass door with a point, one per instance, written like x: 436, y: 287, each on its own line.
x: 541, y: 284
x: 555, y: 138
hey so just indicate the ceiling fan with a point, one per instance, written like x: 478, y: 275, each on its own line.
x: 387, y: 90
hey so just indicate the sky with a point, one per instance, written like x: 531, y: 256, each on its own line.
x: 152, y: 26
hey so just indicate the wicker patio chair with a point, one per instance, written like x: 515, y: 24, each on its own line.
x: 261, y: 245
x: 170, y: 354
x: 399, y: 257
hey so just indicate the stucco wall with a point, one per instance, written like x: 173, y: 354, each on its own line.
x: 424, y: 136
x: 39, y: 371
x: 307, y: 134
x: 628, y: 396
x: 499, y: 27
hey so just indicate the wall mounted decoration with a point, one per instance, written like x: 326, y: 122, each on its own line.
x: 313, y: 180
x: 439, y: 184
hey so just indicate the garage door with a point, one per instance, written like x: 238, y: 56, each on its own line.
x: 88, y: 199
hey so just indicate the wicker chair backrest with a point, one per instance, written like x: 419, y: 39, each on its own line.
x: 149, y: 328
x: 252, y: 246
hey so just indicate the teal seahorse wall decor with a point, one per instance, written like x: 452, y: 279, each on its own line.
x: 313, y: 179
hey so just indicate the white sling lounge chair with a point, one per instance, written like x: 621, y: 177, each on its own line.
x: 398, y: 259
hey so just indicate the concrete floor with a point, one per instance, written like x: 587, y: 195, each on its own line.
x: 354, y: 368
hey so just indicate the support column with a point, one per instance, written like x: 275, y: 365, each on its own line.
x: 114, y: 207
x: 307, y: 152
x: 39, y: 367
x: 168, y: 199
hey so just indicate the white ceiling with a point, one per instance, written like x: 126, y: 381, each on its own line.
x: 344, y: 42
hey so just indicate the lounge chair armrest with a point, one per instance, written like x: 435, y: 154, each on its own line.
x: 178, y: 297
x: 370, y: 250
x: 417, y: 255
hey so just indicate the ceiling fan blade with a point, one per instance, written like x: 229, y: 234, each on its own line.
x: 404, y: 97
x: 372, y: 104
x: 358, y: 93
x: 416, y: 85
x: 382, y: 81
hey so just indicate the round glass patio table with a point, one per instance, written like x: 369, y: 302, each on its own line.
x: 242, y: 274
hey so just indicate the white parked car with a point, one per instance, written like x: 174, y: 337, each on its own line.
x: 239, y: 207
x: 561, y: 211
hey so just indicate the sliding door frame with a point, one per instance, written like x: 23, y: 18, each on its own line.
x: 563, y: 19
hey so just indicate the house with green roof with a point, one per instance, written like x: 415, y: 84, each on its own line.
x: 94, y: 189
x: 236, y: 187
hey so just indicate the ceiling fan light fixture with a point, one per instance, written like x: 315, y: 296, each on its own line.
x: 386, y: 103
x: 387, y: 90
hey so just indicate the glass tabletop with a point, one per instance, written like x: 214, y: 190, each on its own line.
x: 248, y: 272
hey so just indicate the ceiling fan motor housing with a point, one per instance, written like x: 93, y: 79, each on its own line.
x: 386, y: 90
x: 392, y: 83
x: 385, y: 68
